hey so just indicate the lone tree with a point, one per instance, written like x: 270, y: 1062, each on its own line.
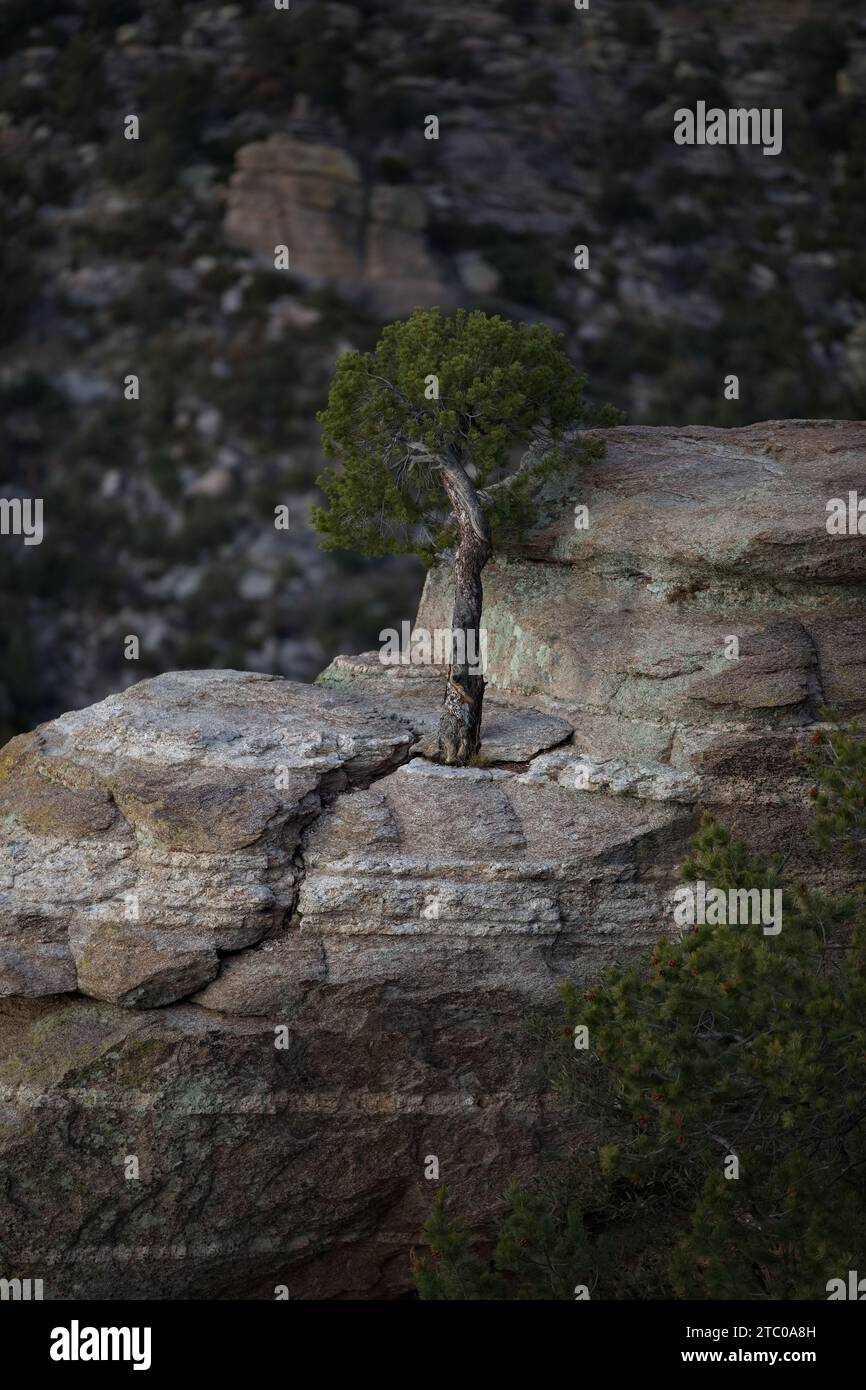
x: 429, y: 430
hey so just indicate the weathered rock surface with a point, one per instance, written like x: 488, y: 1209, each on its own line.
x: 258, y: 1166
x: 251, y: 935
x: 312, y: 199
x: 624, y: 628
x: 512, y: 734
x: 487, y: 879
x: 396, y: 927
x: 149, y: 832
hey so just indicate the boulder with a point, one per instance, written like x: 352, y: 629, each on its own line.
x: 149, y: 832
x: 308, y: 197
x: 312, y: 198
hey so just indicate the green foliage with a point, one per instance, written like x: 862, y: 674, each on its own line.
x: 618, y: 199
x: 393, y: 168
x: 446, y: 57
x: 152, y: 303
x: 176, y: 103
x: 840, y: 796
x: 176, y: 100
x: 21, y: 281
x: 33, y: 393
x: 452, y: 1270
x: 817, y: 49
x: 325, y: 50
x: 271, y: 45
x: 634, y: 25
x: 80, y: 88
x: 20, y: 673
x: 310, y: 56
x: 731, y: 1043
x: 528, y: 273
x: 263, y: 395
x: 746, y: 1044
x: 542, y: 1251
x: 501, y: 385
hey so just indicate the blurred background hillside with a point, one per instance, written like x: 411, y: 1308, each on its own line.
x: 306, y: 127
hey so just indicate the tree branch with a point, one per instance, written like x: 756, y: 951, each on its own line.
x: 459, y: 487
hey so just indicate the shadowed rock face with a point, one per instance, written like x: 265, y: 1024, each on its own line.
x: 252, y: 936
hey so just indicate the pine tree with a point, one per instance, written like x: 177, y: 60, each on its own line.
x: 426, y: 428
x: 452, y: 1270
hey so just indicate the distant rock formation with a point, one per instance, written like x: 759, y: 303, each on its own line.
x: 251, y: 935
x: 313, y: 199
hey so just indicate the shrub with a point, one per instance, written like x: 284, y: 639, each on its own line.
x: 80, y: 88
x: 816, y: 49
x: 634, y: 25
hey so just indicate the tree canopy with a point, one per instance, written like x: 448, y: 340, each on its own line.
x: 475, y: 387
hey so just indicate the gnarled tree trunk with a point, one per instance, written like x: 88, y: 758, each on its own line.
x: 460, y: 725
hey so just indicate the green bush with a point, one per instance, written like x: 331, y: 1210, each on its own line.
x: 79, y: 87
x: 816, y: 50
x: 17, y: 17
x: 619, y: 201
x: 151, y: 304
x: 446, y: 57
x: 21, y: 281
x: 175, y: 101
x: 271, y: 45
x: 523, y: 260
x: 634, y: 25
x: 110, y: 14
x: 539, y: 89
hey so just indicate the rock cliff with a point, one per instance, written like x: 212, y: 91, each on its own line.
x: 253, y: 938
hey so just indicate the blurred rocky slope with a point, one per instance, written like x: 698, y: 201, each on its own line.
x: 307, y: 127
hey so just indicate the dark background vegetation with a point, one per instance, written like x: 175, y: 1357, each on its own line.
x: 557, y: 129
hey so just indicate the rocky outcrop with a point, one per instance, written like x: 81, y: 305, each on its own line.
x: 150, y: 832
x: 254, y: 939
x: 313, y: 199
x: 344, y: 945
x: 694, y: 622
